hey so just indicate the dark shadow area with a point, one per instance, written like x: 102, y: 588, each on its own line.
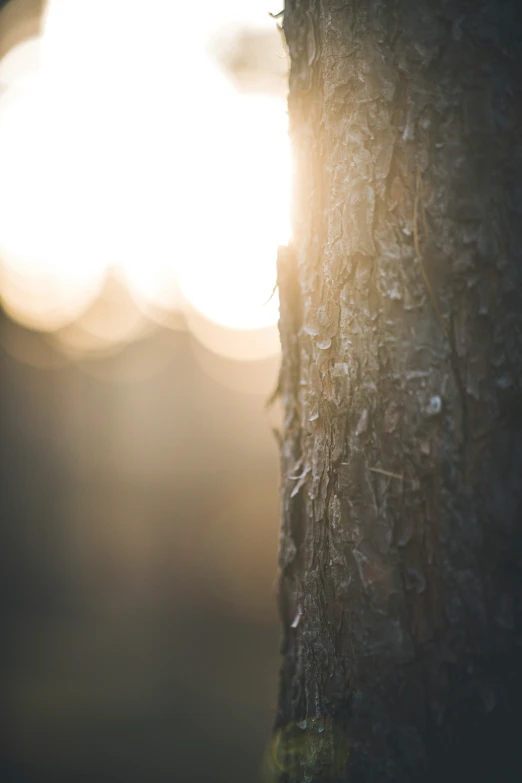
x: 138, y: 557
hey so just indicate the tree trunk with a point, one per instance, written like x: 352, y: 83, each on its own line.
x: 401, y: 329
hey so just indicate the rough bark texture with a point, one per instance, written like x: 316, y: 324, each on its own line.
x: 401, y: 328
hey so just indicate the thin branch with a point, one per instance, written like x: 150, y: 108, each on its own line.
x: 398, y: 476
x: 274, y: 289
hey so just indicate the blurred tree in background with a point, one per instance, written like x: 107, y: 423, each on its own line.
x: 401, y: 327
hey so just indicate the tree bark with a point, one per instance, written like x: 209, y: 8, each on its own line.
x: 401, y: 331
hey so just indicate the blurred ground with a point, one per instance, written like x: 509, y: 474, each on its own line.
x: 138, y: 550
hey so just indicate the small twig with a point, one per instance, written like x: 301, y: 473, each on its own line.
x: 419, y: 194
x: 398, y: 476
x: 277, y: 16
x: 274, y: 395
x: 277, y: 435
x: 274, y: 289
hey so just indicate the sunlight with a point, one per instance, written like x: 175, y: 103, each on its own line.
x: 231, y: 277
x: 41, y: 212
x: 20, y: 62
x: 120, y: 150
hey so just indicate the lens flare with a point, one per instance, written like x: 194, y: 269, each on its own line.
x: 231, y: 277
x: 50, y: 267
x: 120, y: 150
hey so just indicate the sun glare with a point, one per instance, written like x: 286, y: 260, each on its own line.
x: 124, y: 147
x: 231, y: 270
x: 49, y: 268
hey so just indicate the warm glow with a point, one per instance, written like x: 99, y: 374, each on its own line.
x: 20, y: 62
x: 42, y: 224
x: 123, y: 146
x: 232, y: 275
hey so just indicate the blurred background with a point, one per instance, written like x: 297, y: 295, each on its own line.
x: 144, y: 189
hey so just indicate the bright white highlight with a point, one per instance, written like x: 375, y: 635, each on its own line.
x: 123, y: 146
